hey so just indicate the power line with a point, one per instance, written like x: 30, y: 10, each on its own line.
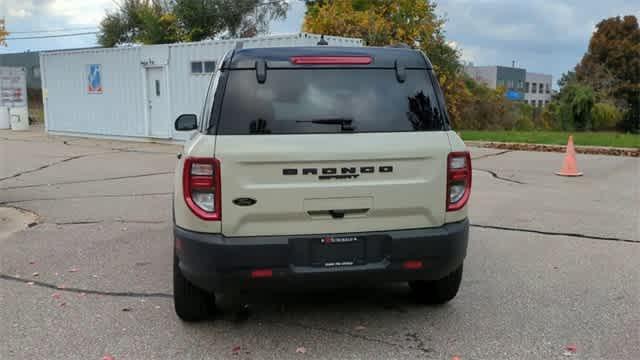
x: 51, y: 36
x: 51, y: 30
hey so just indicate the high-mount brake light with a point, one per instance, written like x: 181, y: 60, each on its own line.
x: 331, y: 60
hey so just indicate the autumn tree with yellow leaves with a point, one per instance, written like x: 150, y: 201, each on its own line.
x: 3, y: 33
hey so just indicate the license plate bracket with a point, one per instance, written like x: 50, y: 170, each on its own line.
x: 336, y: 251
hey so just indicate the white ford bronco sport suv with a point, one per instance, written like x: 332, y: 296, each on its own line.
x: 319, y: 165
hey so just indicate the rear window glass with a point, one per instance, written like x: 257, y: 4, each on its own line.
x: 312, y: 101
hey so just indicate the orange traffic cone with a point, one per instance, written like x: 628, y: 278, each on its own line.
x: 569, y: 167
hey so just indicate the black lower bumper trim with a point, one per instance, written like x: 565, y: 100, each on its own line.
x: 215, y: 262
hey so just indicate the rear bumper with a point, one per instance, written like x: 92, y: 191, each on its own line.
x: 215, y: 262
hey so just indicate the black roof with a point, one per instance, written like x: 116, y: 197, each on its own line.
x: 279, y: 57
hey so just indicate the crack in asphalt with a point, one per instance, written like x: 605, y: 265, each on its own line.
x: 419, y: 347
x: 69, y: 143
x: 88, y: 181
x: 552, y: 233
x: 498, y: 177
x: 491, y: 155
x: 86, y: 197
x: 86, y: 291
x: 118, y: 221
x: 47, y: 166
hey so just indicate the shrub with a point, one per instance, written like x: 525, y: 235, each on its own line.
x: 605, y: 116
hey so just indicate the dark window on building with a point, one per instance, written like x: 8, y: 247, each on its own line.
x: 539, y: 103
x: 196, y: 67
x: 209, y: 66
x: 157, y: 87
x: 541, y: 88
x: 548, y: 88
x: 526, y: 87
x: 299, y: 101
x: 534, y: 88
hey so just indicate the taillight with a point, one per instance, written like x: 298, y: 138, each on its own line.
x: 458, y: 180
x: 201, y: 187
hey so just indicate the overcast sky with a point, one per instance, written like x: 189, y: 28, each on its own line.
x: 548, y: 36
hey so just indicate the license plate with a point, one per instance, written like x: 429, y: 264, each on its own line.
x: 336, y: 251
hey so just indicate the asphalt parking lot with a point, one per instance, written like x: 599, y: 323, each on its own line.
x: 553, y: 262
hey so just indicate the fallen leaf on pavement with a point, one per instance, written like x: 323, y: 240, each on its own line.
x: 235, y: 350
x: 62, y: 304
x: 73, y: 270
x: 83, y: 294
x: 31, y: 262
x: 30, y: 283
x: 35, y: 274
x: 62, y: 286
x: 301, y: 350
x: 570, y: 350
x: 108, y: 357
x: 360, y: 328
x: 455, y: 358
x: 55, y: 295
x: 126, y: 309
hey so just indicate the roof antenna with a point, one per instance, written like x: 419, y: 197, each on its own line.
x: 322, y: 41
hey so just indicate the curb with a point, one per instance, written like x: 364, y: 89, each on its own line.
x: 591, y: 150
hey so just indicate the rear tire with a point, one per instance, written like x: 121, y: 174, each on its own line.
x: 437, y: 292
x: 190, y: 302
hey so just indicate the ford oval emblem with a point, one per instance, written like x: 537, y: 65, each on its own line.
x: 244, y: 201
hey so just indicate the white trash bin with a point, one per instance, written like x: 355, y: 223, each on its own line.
x: 19, y: 119
x: 5, y: 118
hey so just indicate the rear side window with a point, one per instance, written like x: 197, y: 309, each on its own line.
x: 316, y: 101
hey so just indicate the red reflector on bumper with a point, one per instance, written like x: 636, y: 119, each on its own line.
x: 262, y: 273
x: 412, y: 265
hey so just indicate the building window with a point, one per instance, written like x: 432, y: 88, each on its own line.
x: 520, y: 85
x: 539, y: 103
x: 203, y: 67
x: 534, y: 88
x: 526, y: 87
x: 209, y: 66
x: 541, y: 88
x: 196, y: 67
x: 548, y: 90
x: 546, y: 102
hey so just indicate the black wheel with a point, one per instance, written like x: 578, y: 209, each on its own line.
x: 190, y: 302
x: 437, y: 291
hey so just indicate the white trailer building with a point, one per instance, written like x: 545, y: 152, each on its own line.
x: 137, y: 92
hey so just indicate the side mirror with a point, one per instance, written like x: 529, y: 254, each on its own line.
x: 186, y: 122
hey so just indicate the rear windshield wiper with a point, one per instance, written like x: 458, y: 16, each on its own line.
x: 345, y: 123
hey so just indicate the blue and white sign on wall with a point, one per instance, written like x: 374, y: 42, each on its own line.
x: 95, y: 79
x: 514, y: 95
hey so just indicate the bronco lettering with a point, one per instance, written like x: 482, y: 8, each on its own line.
x: 338, y: 173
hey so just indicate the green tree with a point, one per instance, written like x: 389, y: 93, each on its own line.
x: 206, y: 19
x: 168, y: 21
x: 612, y: 66
x: 575, y: 107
